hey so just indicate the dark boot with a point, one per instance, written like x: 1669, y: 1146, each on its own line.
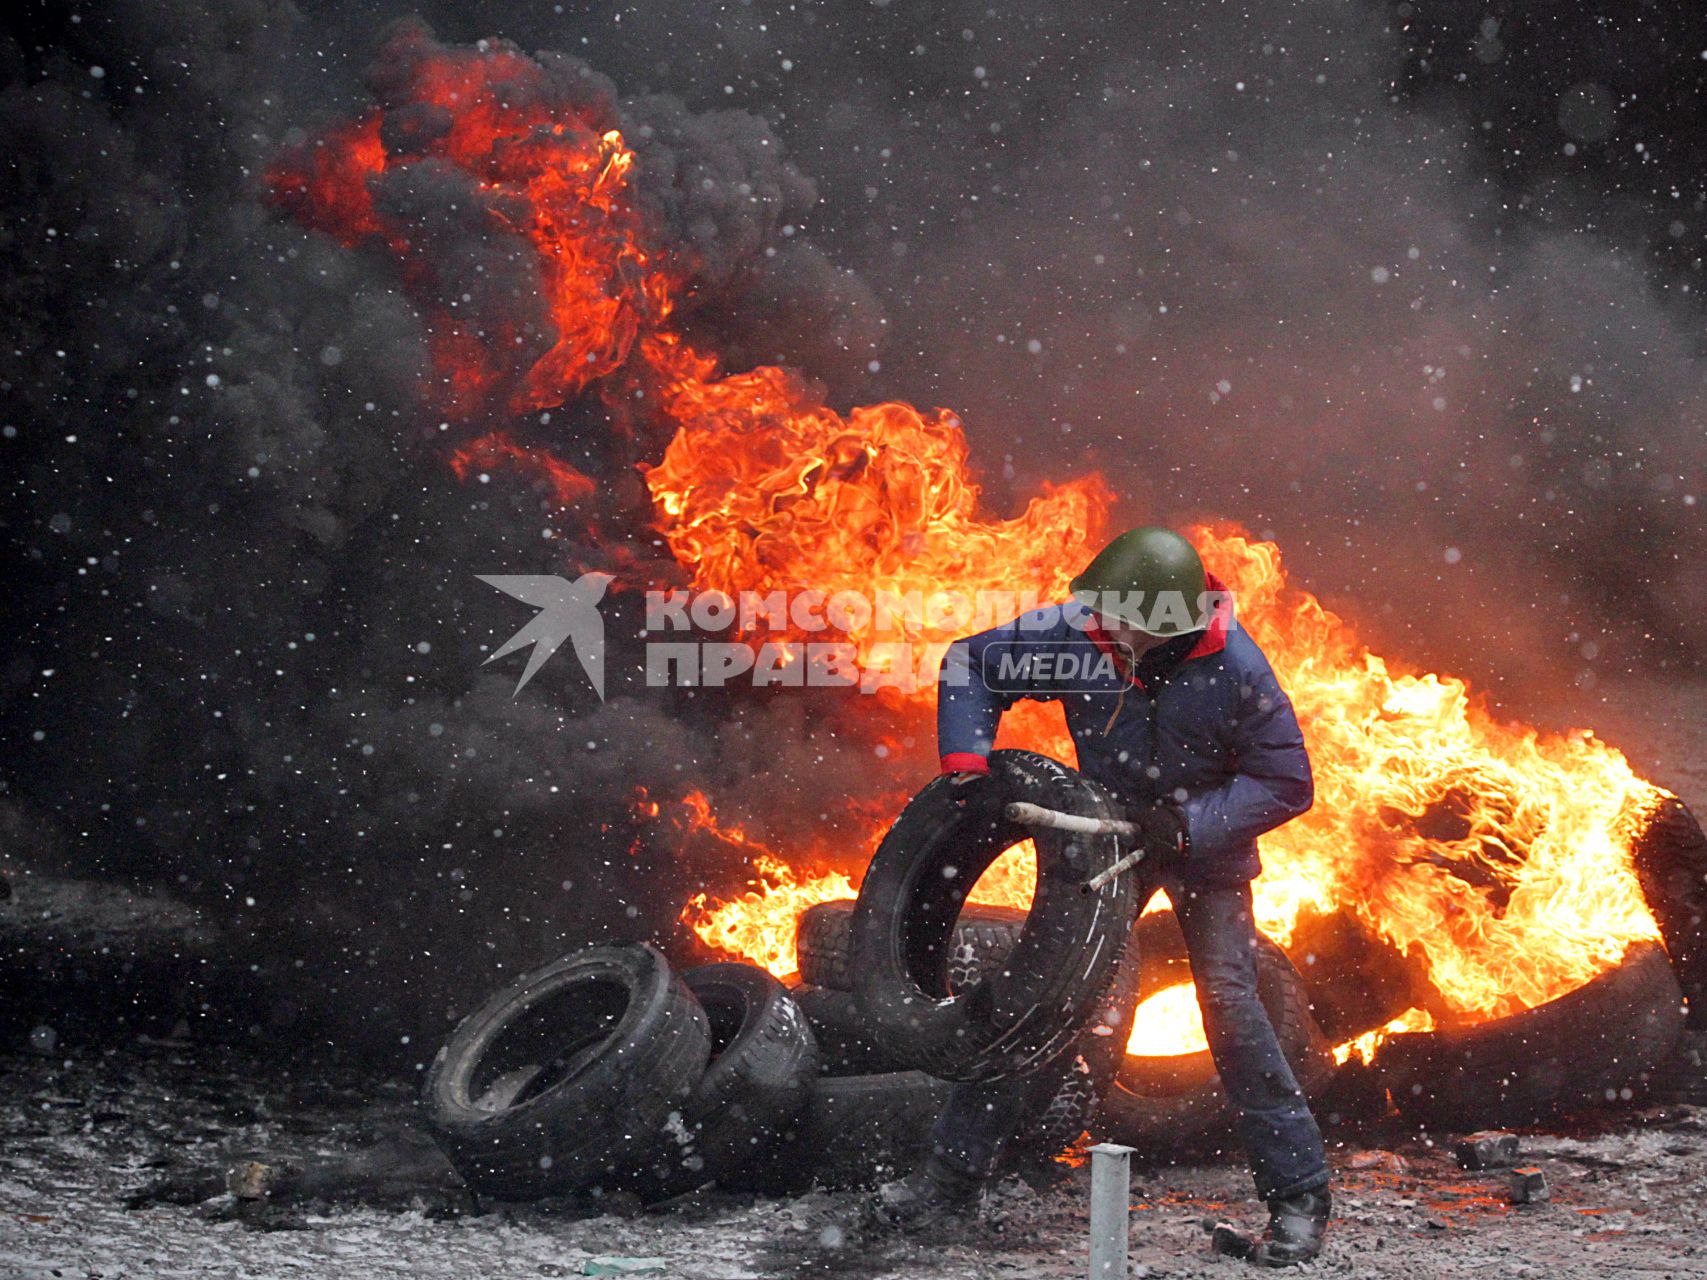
x: 1296, y: 1227
x: 934, y: 1194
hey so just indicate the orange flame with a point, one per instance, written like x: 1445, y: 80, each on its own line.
x: 1499, y: 855
x: 497, y: 449
x: 1168, y: 1024
x: 1363, y: 1047
x: 1494, y: 856
x: 765, y: 488
x: 758, y: 925
x: 533, y: 170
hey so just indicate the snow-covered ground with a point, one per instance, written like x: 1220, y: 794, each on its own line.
x: 82, y: 1135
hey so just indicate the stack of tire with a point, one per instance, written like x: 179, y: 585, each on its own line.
x: 871, y: 1112
x: 606, y: 1071
x: 975, y: 994
x: 908, y: 988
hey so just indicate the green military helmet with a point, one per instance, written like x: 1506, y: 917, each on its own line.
x: 1150, y: 579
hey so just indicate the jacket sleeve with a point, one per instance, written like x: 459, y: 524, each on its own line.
x: 1271, y: 780
x: 968, y: 711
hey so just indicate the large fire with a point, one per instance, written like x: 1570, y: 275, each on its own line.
x: 1502, y: 855
x: 490, y: 120
x: 1495, y: 857
x: 764, y: 488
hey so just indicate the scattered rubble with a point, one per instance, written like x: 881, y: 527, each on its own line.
x: 1489, y: 1149
x: 1529, y: 1186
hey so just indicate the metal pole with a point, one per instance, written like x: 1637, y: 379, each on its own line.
x: 1111, y: 1197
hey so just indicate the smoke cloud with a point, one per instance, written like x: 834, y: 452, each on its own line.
x: 1221, y: 257
x: 1352, y: 275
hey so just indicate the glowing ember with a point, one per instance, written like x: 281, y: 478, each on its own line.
x: 1168, y: 1024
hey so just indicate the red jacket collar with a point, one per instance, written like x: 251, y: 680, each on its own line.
x: 1213, y: 640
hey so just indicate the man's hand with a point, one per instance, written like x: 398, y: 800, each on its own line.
x: 1162, y: 836
x: 970, y: 786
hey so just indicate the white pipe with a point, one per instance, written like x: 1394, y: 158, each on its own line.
x: 1035, y: 815
x: 1111, y: 1202
x: 1111, y: 871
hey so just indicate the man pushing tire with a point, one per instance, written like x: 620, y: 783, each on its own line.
x: 1177, y: 714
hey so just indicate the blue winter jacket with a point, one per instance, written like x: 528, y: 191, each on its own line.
x: 1216, y: 735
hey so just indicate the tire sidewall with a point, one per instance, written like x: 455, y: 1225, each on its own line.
x: 1015, y: 1020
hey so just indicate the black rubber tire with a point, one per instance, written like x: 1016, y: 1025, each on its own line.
x: 1588, y: 1047
x: 1171, y: 1099
x: 841, y: 1145
x: 764, y: 1062
x: 1683, y: 1076
x: 982, y: 938
x: 1055, y: 1111
x: 1068, y: 1097
x: 1670, y: 857
x: 561, y: 1081
x: 1018, y: 1018
x: 1357, y: 981
x: 857, y: 1131
x: 845, y: 1046
x: 863, y: 1130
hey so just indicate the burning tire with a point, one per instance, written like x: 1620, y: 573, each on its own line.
x: 1598, y: 1044
x: 763, y: 1064
x: 1006, y: 1022
x: 982, y: 938
x: 1671, y: 862
x: 1357, y: 981
x: 562, y: 1080
x: 1171, y: 1097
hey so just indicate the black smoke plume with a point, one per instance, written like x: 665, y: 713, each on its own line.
x: 1273, y: 264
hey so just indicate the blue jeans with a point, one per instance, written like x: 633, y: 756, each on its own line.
x: 1275, y: 1124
